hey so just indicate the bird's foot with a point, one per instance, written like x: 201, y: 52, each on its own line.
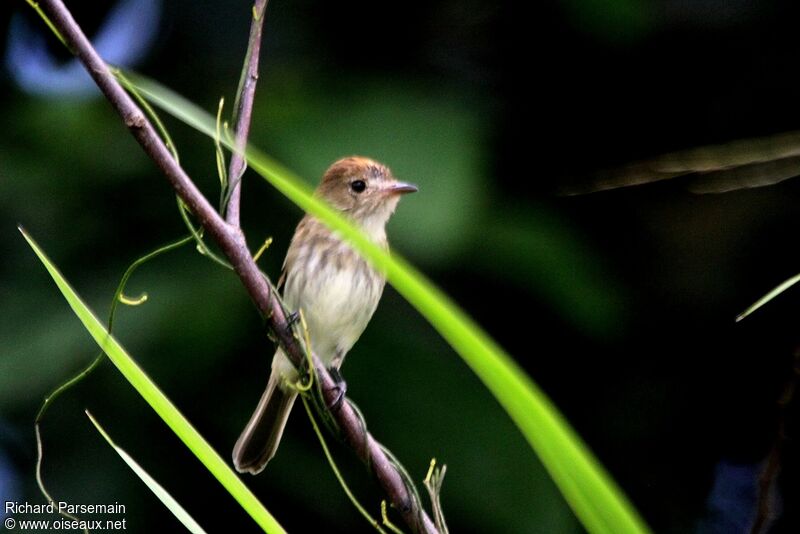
x: 340, y: 387
x: 291, y: 319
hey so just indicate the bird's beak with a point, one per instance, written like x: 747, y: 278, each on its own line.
x: 401, y: 188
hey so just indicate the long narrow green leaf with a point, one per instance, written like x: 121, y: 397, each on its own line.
x: 597, y: 501
x: 780, y: 288
x: 163, y: 495
x: 158, y: 401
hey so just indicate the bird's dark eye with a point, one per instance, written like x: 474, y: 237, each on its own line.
x: 358, y: 186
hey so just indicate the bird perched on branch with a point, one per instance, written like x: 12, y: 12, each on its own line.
x: 334, y: 286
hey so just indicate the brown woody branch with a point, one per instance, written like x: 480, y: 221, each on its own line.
x: 244, y: 111
x: 232, y: 242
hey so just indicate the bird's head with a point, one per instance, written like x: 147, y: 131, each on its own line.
x: 363, y: 189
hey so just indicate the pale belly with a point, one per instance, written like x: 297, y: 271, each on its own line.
x: 337, y: 306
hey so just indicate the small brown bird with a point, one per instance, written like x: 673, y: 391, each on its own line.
x: 336, y: 288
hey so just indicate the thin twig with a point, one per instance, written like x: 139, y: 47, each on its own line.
x: 232, y: 243
x: 243, y: 107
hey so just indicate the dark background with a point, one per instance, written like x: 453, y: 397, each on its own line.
x: 619, y: 304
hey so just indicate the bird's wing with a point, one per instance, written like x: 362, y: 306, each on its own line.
x: 291, y: 255
x: 282, y: 279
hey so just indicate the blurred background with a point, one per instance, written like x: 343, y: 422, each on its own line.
x: 620, y: 304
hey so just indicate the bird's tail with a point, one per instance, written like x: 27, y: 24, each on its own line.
x: 262, y: 435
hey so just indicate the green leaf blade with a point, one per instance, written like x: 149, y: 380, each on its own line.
x: 591, y: 492
x: 163, y: 495
x: 598, y: 502
x: 777, y: 290
x: 158, y: 401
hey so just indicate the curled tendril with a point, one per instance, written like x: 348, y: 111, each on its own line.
x: 129, y: 301
x: 118, y: 297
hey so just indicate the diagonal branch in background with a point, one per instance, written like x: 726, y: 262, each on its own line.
x: 232, y: 243
x: 243, y: 109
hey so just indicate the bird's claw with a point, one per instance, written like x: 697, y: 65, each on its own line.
x: 291, y: 319
x: 340, y: 386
